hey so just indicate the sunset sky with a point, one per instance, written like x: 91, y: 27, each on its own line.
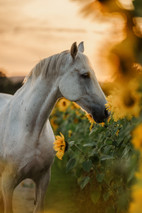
x: 33, y: 29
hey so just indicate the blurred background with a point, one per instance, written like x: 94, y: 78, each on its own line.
x: 111, y: 30
x: 32, y: 30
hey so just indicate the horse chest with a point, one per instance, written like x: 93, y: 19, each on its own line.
x: 36, y: 164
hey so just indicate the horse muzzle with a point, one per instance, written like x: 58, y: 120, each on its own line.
x: 100, y: 115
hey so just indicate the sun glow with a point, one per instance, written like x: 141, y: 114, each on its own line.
x: 127, y: 4
x: 37, y: 29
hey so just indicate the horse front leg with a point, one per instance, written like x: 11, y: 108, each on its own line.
x: 1, y: 197
x: 7, y: 191
x: 41, y: 187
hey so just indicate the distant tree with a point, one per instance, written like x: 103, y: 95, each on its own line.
x: 6, y: 85
x: 2, y: 74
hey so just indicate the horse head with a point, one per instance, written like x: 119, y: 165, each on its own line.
x: 79, y: 84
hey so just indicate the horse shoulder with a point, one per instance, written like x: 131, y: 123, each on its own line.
x: 41, y: 156
x: 4, y: 99
x: 46, y: 141
x: 47, y: 137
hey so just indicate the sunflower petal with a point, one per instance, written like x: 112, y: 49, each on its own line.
x: 59, y: 145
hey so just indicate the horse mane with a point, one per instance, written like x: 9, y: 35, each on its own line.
x: 46, y: 66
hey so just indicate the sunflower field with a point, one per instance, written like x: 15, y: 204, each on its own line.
x: 105, y: 160
x: 101, y: 157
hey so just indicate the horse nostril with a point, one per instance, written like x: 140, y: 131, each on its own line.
x: 106, y: 113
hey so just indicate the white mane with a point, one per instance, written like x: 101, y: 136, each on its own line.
x: 47, y: 65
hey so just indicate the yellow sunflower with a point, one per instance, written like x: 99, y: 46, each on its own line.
x: 117, y: 133
x: 91, y: 120
x: 137, y: 137
x: 136, y: 204
x: 69, y: 133
x: 75, y: 106
x: 53, y: 123
x: 124, y: 101
x: 60, y: 145
x: 102, y: 124
x: 63, y: 104
x: 138, y: 173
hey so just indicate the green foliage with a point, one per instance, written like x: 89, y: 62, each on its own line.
x: 103, y: 161
x: 138, y: 8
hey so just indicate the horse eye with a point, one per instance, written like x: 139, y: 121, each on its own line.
x: 85, y: 75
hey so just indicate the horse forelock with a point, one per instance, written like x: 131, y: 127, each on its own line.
x: 47, y: 66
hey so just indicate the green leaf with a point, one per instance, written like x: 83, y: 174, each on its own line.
x: 70, y: 164
x: 107, y: 157
x: 84, y: 181
x: 71, y: 143
x: 100, y: 177
x: 138, y: 8
x: 88, y: 144
x: 109, y: 142
x: 87, y: 165
x: 131, y: 175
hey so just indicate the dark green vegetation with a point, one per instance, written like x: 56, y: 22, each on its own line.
x: 101, y: 163
x: 7, y: 86
x: 61, y: 193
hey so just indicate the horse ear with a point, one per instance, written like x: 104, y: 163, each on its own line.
x: 74, y: 50
x: 81, y: 47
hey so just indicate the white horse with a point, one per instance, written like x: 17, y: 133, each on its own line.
x: 26, y: 137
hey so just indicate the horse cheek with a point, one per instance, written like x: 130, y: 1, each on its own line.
x: 70, y: 88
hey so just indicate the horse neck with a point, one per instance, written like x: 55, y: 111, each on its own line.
x: 37, y: 101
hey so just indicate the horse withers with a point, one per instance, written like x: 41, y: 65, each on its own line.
x: 26, y: 142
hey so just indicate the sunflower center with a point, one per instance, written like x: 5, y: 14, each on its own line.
x: 129, y: 101
x: 64, y: 103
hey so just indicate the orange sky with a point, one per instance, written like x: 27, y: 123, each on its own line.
x: 34, y: 29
